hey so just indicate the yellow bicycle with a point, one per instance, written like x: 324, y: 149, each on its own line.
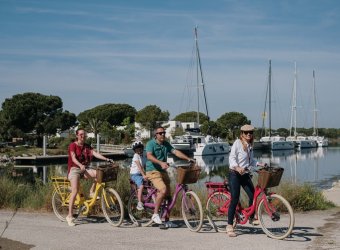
x: 109, y: 199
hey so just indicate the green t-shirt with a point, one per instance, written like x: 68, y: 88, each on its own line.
x: 160, y: 151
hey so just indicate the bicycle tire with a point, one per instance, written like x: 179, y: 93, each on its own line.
x: 217, y: 217
x: 112, y: 207
x: 140, y: 217
x: 192, y: 211
x: 281, y: 223
x: 60, y: 208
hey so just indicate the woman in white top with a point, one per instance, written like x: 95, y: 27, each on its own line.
x: 241, y: 160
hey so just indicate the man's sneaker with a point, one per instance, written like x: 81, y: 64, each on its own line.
x: 70, y: 221
x: 155, y: 218
x: 254, y: 222
x: 140, y: 206
x: 170, y: 224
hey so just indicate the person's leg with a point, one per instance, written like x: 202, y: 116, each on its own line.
x: 91, y: 174
x: 235, y: 187
x: 248, y: 187
x: 74, y: 181
x: 166, y: 180
x: 156, y: 178
x: 140, y: 193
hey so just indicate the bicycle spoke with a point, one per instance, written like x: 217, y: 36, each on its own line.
x: 217, y: 209
x: 112, y: 206
x: 192, y: 211
x: 140, y: 217
x: 276, y: 216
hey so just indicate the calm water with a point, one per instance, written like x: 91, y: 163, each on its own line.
x: 318, y: 166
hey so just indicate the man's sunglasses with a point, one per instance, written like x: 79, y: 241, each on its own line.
x: 160, y: 133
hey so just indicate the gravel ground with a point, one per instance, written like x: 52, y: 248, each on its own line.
x: 313, y: 230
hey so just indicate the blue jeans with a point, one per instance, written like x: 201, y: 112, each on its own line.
x: 235, y: 182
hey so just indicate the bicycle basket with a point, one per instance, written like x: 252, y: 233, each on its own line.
x: 188, y: 175
x: 106, y: 173
x: 270, y: 177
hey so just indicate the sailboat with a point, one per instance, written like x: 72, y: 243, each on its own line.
x: 274, y: 142
x: 320, y: 140
x: 203, y: 145
x: 300, y: 141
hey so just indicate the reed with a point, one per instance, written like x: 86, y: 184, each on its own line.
x: 37, y: 195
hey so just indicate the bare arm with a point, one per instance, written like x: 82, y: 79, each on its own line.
x: 99, y: 156
x: 141, y: 169
x: 179, y: 154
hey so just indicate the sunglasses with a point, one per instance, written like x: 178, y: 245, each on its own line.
x: 160, y: 133
x: 248, y: 132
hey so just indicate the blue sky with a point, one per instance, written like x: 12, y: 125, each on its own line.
x: 138, y: 52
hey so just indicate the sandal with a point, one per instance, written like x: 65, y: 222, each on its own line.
x: 230, y: 231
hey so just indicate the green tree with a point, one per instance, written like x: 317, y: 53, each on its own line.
x: 114, y: 114
x: 34, y: 112
x: 191, y: 117
x: 211, y: 128
x: 150, y: 116
x: 230, y: 123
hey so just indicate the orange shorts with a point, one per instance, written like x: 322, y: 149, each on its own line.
x: 160, y: 180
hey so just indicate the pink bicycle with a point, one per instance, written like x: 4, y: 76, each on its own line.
x: 191, y: 206
x: 274, y: 212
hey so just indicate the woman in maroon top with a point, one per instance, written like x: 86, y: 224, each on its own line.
x: 80, y: 155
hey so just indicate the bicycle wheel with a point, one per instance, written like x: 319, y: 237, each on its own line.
x: 192, y: 211
x: 112, y: 206
x: 60, y: 207
x: 140, y: 217
x: 276, y: 216
x: 217, y: 210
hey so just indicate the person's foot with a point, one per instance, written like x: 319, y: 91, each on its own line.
x: 140, y: 206
x: 230, y: 231
x: 254, y: 222
x: 156, y: 219
x: 70, y: 221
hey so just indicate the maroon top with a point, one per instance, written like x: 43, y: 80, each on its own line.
x: 83, y: 155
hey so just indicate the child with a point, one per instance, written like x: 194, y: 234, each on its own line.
x: 137, y: 172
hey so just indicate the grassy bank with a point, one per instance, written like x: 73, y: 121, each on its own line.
x: 37, y: 196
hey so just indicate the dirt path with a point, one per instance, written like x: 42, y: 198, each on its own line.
x: 313, y: 230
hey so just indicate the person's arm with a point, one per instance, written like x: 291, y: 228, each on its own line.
x: 181, y: 155
x: 153, y: 159
x: 140, y: 167
x: 76, y: 162
x: 100, y: 156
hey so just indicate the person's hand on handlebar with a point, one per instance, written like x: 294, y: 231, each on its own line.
x: 192, y: 160
x: 110, y: 160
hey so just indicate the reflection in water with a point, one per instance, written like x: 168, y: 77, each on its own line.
x: 319, y: 166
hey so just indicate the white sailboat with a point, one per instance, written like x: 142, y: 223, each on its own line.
x: 205, y: 145
x: 320, y: 140
x: 274, y: 142
x: 300, y: 141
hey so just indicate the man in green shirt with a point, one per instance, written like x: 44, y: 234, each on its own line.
x: 157, y: 150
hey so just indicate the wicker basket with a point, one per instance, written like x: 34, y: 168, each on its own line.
x: 188, y: 175
x: 106, y: 173
x: 270, y: 177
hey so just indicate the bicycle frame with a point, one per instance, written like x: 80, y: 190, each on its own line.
x: 165, y: 208
x: 60, y: 183
x: 243, y: 213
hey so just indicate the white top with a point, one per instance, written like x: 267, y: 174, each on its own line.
x: 134, y: 167
x: 239, y: 157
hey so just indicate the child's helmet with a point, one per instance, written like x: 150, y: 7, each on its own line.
x: 137, y: 144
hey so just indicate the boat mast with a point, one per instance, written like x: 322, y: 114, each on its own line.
x: 293, y: 110
x: 200, y: 75
x: 315, y: 125
x: 270, y: 97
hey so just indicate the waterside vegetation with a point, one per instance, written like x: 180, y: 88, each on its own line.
x: 36, y: 196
